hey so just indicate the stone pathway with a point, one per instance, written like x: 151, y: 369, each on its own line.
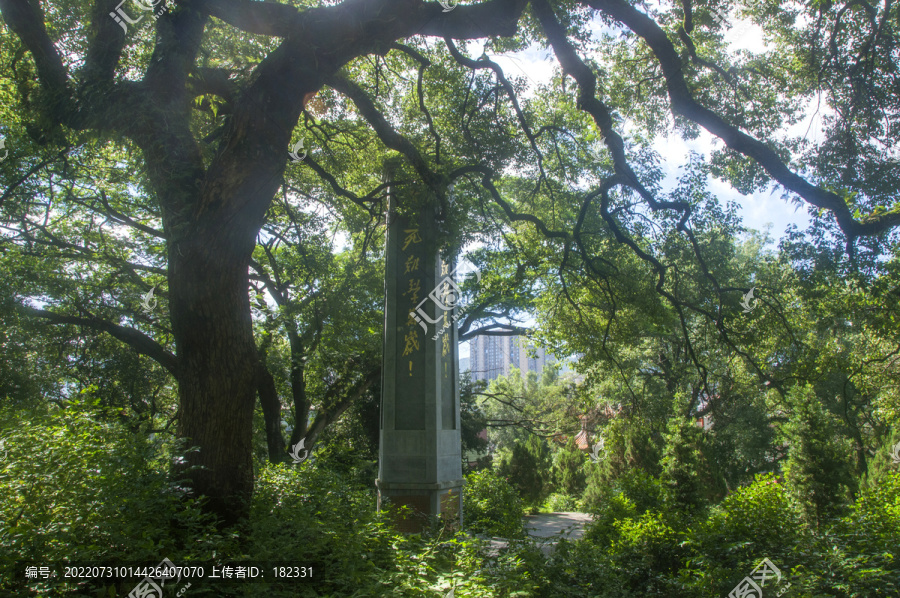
x: 547, y: 529
x: 546, y: 525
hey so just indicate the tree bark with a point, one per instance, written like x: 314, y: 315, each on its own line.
x: 210, y: 314
x: 298, y: 386
x: 271, y: 406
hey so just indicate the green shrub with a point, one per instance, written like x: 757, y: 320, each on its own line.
x: 875, y: 516
x: 648, y: 553
x: 685, y: 478
x: 641, y: 488
x: 528, y: 469
x: 78, y: 486
x: 819, y: 471
x: 859, y: 556
x: 752, y: 522
x: 491, y: 506
x: 557, y: 503
x: 608, y: 510
x: 568, y: 469
x: 310, y: 514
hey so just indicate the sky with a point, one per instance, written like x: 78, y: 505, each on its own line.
x: 758, y: 210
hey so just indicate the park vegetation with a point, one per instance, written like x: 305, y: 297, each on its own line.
x: 187, y: 291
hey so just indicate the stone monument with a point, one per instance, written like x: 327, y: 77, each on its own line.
x: 419, y: 460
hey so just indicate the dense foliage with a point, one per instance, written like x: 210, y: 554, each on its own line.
x: 170, y: 268
x: 117, y: 503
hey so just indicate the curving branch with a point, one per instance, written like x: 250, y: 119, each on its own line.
x: 485, y: 63
x: 105, y: 49
x: 329, y: 414
x: 214, y: 81
x: 369, y: 202
x: 683, y: 103
x: 135, y: 339
x: 121, y: 218
x: 26, y: 19
x: 388, y: 135
x: 494, y: 17
x: 424, y: 63
x: 494, y: 329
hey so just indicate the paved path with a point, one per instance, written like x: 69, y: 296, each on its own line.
x: 547, y: 525
x: 547, y: 529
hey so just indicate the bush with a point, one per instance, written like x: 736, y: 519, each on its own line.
x: 568, y: 469
x: 642, y: 488
x: 313, y: 515
x: 649, y: 552
x: 557, y: 503
x: 609, y: 509
x: 819, y: 472
x: 685, y: 477
x: 752, y: 523
x: 859, y: 556
x: 81, y: 487
x: 491, y: 506
x: 527, y: 474
x: 635, y: 492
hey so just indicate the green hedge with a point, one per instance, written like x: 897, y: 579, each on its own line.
x: 491, y: 506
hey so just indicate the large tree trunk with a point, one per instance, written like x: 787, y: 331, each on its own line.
x: 210, y: 313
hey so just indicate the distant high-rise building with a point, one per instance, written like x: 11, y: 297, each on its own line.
x: 493, y: 356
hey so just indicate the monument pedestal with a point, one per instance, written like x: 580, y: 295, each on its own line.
x: 440, y: 500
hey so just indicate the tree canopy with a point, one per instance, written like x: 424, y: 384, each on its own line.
x: 149, y: 148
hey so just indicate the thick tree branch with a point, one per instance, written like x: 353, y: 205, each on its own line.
x: 123, y: 219
x: 330, y: 414
x: 495, y: 17
x: 390, y: 137
x: 26, y: 19
x: 106, y: 39
x: 683, y: 103
x: 494, y: 330
x: 135, y: 339
x: 271, y: 406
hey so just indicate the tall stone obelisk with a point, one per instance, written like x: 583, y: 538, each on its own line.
x: 419, y: 461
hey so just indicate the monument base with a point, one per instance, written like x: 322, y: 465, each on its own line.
x: 443, y: 500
